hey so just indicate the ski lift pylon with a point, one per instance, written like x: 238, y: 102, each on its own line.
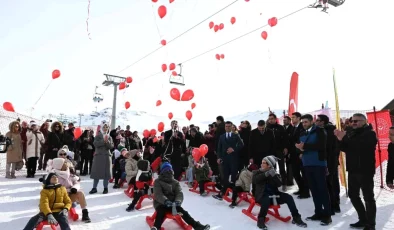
x: 177, y: 80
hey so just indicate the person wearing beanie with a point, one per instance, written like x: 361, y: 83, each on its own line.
x: 267, y: 181
x: 54, y: 204
x: 102, y: 164
x: 168, y: 193
x: 243, y: 184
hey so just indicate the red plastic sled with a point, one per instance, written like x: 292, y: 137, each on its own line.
x: 242, y: 196
x: 208, y: 187
x: 111, y: 180
x: 272, y: 210
x: 129, y: 191
x: 139, y: 203
x: 72, y: 214
x: 41, y: 225
x: 178, y: 218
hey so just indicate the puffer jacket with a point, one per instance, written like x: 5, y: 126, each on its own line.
x: 131, y: 167
x: 67, y: 180
x: 202, y: 173
x: 54, y: 198
x: 166, y: 188
x: 265, y: 185
x: 245, y: 180
x: 35, y: 141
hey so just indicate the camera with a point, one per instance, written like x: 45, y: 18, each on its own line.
x: 4, y: 143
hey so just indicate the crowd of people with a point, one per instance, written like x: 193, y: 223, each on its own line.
x: 303, y: 150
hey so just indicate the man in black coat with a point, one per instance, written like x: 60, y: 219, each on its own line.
x: 390, y: 160
x: 174, y: 142
x: 359, y: 146
x: 261, y: 143
x: 289, y: 128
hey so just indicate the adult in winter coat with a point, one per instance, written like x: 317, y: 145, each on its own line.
x: 244, y: 133
x: 54, y: 204
x: 209, y: 140
x: 14, y: 151
x: 55, y: 141
x: 102, y: 163
x: 390, y: 160
x: 359, y: 145
x: 87, y: 150
x: 71, y: 183
x: 267, y: 182
x: 35, y: 141
x: 175, y: 143
x: 131, y: 166
x: 168, y: 192
x: 261, y: 143
x: 44, y: 130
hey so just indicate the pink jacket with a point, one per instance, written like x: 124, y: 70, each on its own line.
x: 67, y: 180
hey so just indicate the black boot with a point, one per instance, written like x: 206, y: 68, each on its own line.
x: 130, y: 208
x: 85, y: 216
x: 93, y: 191
x: 199, y: 226
x: 105, y: 191
x: 298, y: 221
x: 261, y: 223
x: 358, y: 225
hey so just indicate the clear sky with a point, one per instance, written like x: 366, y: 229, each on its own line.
x: 37, y: 37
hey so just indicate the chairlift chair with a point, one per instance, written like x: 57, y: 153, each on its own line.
x: 336, y: 3
x: 177, y: 80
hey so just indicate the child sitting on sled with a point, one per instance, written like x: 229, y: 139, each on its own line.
x: 267, y: 181
x: 54, y: 204
x: 202, y: 171
x: 167, y: 192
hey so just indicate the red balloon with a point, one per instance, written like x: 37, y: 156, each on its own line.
x: 175, y: 94
x: 211, y: 24
x: 127, y: 105
x: 153, y: 132
x: 221, y: 26
x: 193, y: 105
x: 233, y: 20
x: 172, y: 66
x: 162, y: 11
x: 216, y: 28
x: 8, y: 107
x: 189, y: 115
x: 203, y: 149
x: 129, y: 80
x: 171, y: 1
x: 154, y: 0
x: 187, y: 95
x: 196, y: 154
x: 146, y: 133
x: 264, y: 35
x: 160, y: 127
x: 170, y: 115
x: 158, y: 103
x: 246, y: 0
x: 272, y: 21
x: 77, y: 133
x: 163, y: 42
x: 164, y: 67
x: 122, y: 85
x: 55, y: 74
x: 217, y: 56
x: 174, y: 73
x: 222, y: 56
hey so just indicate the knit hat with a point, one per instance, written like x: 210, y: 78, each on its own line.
x: 32, y: 123
x: 166, y: 166
x: 57, y: 163
x: 46, y: 180
x: 271, y: 160
x: 120, y: 147
x: 253, y: 167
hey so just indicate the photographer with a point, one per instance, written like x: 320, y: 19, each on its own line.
x: 14, y: 151
x: 35, y: 140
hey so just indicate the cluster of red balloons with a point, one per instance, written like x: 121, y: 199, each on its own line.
x: 216, y: 28
x: 124, y: 84
x: 197, y: 153
x: 219, y: 56
x: 186, y: 96
x: 171, y: 67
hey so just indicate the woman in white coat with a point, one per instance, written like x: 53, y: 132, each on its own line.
x: 35, y: 139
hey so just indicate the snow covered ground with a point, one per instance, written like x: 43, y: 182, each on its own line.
x: 19, y: 201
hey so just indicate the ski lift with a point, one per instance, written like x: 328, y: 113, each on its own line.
x: 177, y: 80
x: 95, y: 114
x: 97, y: 97
x: 336, y: 2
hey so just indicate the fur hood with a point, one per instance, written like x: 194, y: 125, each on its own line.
x: 61, y: 130
x: 12, y: 125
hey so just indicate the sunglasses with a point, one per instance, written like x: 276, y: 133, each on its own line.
x: 63, y: 154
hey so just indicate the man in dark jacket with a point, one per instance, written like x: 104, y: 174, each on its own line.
x: 289, y: 128
x: 168, y: 193
x: 261, y: 143
x: 174, y: 141
x: 390, y: 160
x: 69, y: 139
x: 332, y: 162
x: 314, y: 159
x: 359, y: 146
x: 220, y: 130
x: 281, y: 146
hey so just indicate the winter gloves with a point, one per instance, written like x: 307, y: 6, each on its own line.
x: 178, y: 203
x: 168, y: 203
x: 64, y: 212
x: 270, y: 172
x: 51, y: 219
x: 73, y: 190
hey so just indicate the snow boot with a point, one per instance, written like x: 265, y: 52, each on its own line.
x: 199, y: 226
x: 314, y: 218
x: 233, y: 205
x: 93, y: 191
x: 298, y: 221
x: 105, y: 191
x: 85, y: 216
x: 204, y: 194
x: 218, y: 197
x: 130, y: 208
x: 13, y: 176
x: 8, y: 175
x: 116, y: 186
x: 326, y: 220
x: 261, y: 223
x: 153, y: 228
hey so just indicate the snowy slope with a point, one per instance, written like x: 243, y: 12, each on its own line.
x: 19, y: 200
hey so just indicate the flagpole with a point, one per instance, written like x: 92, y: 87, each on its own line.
x: 338, y: 124
x: 379, y: 149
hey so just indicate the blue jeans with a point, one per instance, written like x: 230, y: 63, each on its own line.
x: 316, y: 176
x: 189, y: 175
x: 96, y: 181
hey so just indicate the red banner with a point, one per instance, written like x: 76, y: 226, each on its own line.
x: 293, y: 96
x: 383, y: 122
